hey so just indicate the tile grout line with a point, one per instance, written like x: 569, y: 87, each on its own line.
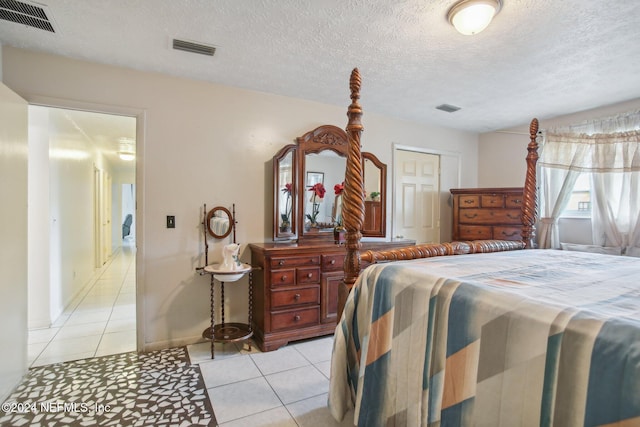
x: 119, y: 254
x: 264, y: 376
x: 104, y: 331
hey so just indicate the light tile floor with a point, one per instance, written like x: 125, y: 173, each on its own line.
x: 282, y: 388
x: 99, y: 322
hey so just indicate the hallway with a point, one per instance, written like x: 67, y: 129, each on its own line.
x: 99, y: 322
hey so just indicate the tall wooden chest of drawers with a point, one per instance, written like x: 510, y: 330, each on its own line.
x: 295, y: 291
x: 487, y: 213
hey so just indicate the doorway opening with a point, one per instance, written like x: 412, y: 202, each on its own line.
x: 82, y: 289
x: 422, y: 179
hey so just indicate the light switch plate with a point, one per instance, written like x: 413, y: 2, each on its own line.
x: 171, y: 221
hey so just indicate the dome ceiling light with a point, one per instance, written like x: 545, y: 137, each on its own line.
x: 127, y: 151
x: 472, y: 16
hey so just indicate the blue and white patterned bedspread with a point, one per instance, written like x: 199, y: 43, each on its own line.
x: 521, y: 338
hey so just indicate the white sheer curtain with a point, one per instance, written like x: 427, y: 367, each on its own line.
x: 561, y: 162
x: 609, y: 150
x: 616, y: 189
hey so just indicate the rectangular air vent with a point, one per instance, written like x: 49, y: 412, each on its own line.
x: 448, y: 108
x: 31, y: 14
x: 192, y: 47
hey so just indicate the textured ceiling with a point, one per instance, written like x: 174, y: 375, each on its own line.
x: 538, y: 58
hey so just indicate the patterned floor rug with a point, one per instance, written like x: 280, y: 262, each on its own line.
x: 160, y: 388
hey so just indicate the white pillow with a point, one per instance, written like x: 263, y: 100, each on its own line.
x: 594, y: 249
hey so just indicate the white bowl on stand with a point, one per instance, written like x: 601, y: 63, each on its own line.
x: 227, y: 275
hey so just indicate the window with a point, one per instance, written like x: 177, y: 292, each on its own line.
x: 579, y: 205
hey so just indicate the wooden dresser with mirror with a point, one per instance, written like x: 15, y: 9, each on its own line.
x: 296, y: 287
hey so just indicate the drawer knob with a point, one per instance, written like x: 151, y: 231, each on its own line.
x: 296, y: 317
x: 468, y: 202
x: 333, y: 261
x: 283, y: 278
x: 513, y: 233
x: 517, y: 201
x: 281, y: 262
x: 296, y: 297
x: 310, y: 275
x: 470, y: 216
x: 513, y: 216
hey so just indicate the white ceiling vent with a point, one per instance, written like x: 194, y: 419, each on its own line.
x: 27, y: 13
x: 192, y: 47
x: 448, y: 108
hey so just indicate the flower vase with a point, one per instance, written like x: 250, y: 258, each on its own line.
x: 285, y: 227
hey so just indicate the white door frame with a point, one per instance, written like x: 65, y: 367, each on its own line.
x: 445, y: 208
x: 140, y: 116
x: 97, y: 217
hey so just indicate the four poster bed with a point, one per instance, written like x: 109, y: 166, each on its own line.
x: 493, y: 336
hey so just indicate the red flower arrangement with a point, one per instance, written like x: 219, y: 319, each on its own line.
x: 318, y: 191
x: 338, y: 188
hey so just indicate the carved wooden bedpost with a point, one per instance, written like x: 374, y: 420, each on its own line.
x: 530, y: 202
x: 353, y: 197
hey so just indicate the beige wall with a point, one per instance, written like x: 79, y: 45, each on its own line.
x: 39, y: 243
x: 204, y: 143
x: 13, y: 243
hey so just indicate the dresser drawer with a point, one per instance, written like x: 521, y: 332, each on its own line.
x: 474, y: 232
x: 332, y: 262
x: 508, y: 216
x: 303, y: 261
x: 309, y: 295
x: 492, y: 201
x: 513, y: 201
x: 490, y: 216
x: 283, y: 277
x: 469, y: 201
x: 507, y: 233
x: 307, y: 275
x: 295, y: 318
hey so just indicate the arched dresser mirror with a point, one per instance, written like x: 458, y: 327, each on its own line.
x: 307, y: 182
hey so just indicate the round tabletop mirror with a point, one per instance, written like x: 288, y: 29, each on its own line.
x: 219, y: 222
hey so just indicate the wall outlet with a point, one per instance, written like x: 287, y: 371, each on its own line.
x: 171, y: 221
